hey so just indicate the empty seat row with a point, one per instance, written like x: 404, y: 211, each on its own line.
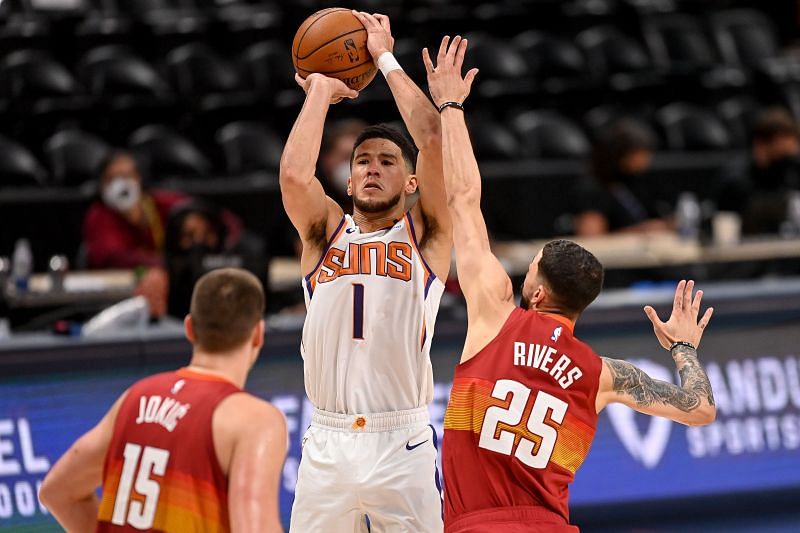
x: 74, y: 156
x: 189, y: 71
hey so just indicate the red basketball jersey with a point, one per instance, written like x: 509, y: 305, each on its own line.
x: 161, y: 471
x: 521, y: 419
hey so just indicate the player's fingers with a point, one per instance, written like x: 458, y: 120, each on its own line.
x: 652, y: 315
x: 451, y: 51
x: 678, y: 302
x: 361, y: 18
x: 426, y: 58
x: 470, y: 77
x: 687, y: 294
x: 460, y: 52
x: 384, y: 22
x: 300, y: 81
x: 442, y: 50
x: 706, y: 317
x: 698, y: 297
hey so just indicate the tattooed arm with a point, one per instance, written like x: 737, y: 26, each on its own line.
x: 692, y: 402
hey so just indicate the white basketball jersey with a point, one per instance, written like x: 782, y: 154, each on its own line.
x: 372, y: 303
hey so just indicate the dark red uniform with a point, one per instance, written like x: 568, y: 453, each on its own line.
x: 161, y: 471
x: 520, y: 421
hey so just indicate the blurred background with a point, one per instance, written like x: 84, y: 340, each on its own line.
x: 139, y: 148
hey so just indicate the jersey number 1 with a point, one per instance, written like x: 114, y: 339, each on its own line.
x: 358, y: 311
x: 503, y: 441
x: 137, y: 513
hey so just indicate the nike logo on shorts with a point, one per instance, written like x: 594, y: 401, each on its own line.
x: 409, y: 447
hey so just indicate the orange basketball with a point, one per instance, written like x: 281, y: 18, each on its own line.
x: 334, y: 42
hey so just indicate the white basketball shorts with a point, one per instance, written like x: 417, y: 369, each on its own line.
x: 368, y: 473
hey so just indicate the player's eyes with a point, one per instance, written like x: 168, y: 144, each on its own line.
x: 387, y: 162
x: 361, y: 162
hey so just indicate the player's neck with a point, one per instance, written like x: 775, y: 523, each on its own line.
x: 556, y: 313
x: 232, y: 366
x: 369, y: 222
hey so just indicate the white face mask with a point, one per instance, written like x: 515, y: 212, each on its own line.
x: 122, y: 193
x: 341, y: 173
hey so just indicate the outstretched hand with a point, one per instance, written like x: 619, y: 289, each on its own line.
x: 444, y: 79
x: 682, y: 324
x: 379, y: 33
x: 337, y: 90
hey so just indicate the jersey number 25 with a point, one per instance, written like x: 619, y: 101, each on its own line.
x: 503, y: 441
x: 136, y: 513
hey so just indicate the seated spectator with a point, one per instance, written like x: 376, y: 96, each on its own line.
x: 757, y: 185
x: 124, y: 228
x: 616, y: 198
x: 334, y: 159
x: 199, y: 239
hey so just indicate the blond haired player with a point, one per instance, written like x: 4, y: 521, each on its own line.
x: 189, y: 450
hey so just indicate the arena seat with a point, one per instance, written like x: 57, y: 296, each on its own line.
x: 249, y: 147
x: 690, y: 127
x: 116, y: 71
x: 491, y: 139
x: 547, y: 135
x: 18, y: 167
x: 168, y: 154
x: 267, y: 67
x: 74, y: 156
x: 744, y: 37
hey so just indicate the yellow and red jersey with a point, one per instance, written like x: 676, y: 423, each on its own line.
x: 161, y: 471
x: 521, y: 419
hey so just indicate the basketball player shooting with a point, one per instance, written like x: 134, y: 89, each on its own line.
x: 525, y: 398
x: 372, y: 286
x: 184, y: 451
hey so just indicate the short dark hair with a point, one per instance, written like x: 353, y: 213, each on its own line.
x: 618, y: 140
x: 573, y: 275
x: 390, y: 133
x: 773, y: 122
x: 226, y: 305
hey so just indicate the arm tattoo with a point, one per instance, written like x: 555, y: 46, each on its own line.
x: 646, y: 391
x: 693, y: 377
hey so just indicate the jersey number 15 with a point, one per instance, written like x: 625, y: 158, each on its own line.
x: 137, y: 513
x: 503, y: 441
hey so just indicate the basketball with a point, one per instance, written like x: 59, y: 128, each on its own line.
x: 334, y: 42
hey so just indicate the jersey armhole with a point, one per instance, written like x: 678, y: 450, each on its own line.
x: 512, y: 318
x: 335, y: 235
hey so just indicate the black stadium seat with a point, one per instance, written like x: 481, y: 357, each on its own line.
x: 690, y: 127
x: 548, y: 135
x: 168, y: 154
x: 491, y: 139
x: 678, y: 43
x: 18, y: 168
x: 32, y: 74
x: 249, y: 147
x: 196, y: 70
x: 744, y: 37
x: 74, y: 156
x: 116, y: 71
x: 267, y: 67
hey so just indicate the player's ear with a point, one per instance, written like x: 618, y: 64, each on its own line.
x: 350, y: 186
x: 258, y: 335
x: 539, y: 295
x: 411, y: 185
x: 188, y: 328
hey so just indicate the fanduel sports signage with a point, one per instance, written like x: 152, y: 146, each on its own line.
x: 753, y: 444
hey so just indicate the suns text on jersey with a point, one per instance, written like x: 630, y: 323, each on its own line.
x: 541, y: 356
x: 166, y: 412
x: 391, y: 259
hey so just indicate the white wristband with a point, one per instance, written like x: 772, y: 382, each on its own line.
x: 388, y: 63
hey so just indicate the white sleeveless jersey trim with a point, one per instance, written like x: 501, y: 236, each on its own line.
x: 371, y: 303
